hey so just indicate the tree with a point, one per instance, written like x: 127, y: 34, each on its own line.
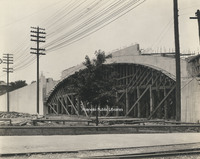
x: 17, y: 84
x: 96, y: 84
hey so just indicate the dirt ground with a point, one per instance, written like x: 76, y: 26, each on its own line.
x: 25, y: 119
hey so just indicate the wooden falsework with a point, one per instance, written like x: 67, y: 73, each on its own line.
x: 138, y: 85
x: 52, y: 108
x: 165, y: 104
x: 135, y: 75
x: 138, y: 100
x: 72, y: 104
x: 161, y: 102
x: 65, y: 102
x: 148, y: 86
x: 151, y: 98
x: 83, y: 107
x: 63, y: 106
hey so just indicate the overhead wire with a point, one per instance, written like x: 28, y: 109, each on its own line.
x: 28, y: 16
x: 20, y: 51
x: 163, y: 32
x: 87, y: 27
x: 72, y: 20
x: 69, y: 10
x: 84, y: 24
x: 102, y: 21
x: 48, y: 21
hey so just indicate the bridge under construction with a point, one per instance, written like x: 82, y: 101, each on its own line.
x: 146, y: 87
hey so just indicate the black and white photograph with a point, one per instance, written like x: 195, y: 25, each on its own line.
x: 99, y: 79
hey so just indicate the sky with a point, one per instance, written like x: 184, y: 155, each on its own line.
x: 76, y: 28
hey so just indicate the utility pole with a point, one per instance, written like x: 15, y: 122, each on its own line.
x: 8, y: 59
x: 178, y: 69
x: 198, y: 19
x: 37, y: 38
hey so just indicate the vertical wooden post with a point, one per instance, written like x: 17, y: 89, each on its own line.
x: 127, y: 101
x: 62, y: 109
x: 138, y: 95
x: 117, y: 100
x: 72, y: 109
x: 134, y: 99
x: 57, y: 107
x: 67, y: 106
x: 165, y: 104
x: 159, y: 111
x: 127, y: 96
x: 151, y: 99
x: 97, y: 119
x: 79, y: 105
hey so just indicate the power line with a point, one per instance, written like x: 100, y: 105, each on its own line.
x: 95, y: 27
x: 28, y: 16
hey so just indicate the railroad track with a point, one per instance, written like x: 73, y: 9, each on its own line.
x: 150, y: 154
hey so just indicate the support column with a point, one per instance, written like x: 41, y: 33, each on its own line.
x: 62, y: 109
x: 134, y: 99
x: 151, y: 99
x: 127, y: 101
x: 138, y: 95
x: 159, y: 111
x: 127, y: 96
x: 117, y: 99
x: 67, y: 105
x: 79, y: 105
x: 57, y: 107
x: 72, y: 109
x: 165, y: 105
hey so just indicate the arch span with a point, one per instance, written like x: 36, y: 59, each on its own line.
x: 147, y: 87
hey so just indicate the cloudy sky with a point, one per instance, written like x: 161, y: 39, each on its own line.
x: 76, y: 28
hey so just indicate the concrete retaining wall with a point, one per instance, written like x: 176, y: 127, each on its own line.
x: 23, y: 100
x: 190, y: 101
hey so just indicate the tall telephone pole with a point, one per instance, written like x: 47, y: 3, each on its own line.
x: 8, y: 59
x: 198, y: 19
x: 37, y: 38
x: 178, y: 69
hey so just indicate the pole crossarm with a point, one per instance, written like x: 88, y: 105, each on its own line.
x: 198, y: 20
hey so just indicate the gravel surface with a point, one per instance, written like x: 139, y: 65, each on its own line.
x: 179, y: 157
x: 84, y: 154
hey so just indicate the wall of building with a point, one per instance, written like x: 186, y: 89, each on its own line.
x: 190, y: 101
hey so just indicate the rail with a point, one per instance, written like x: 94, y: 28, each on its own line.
x: 58, y: 120
x: 5, y: 119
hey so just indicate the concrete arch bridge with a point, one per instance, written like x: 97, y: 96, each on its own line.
x: 147, y: 87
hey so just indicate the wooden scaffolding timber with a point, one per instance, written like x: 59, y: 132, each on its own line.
x: 142, y: 92
x: 163, y: 100
x: 139, y: 97
x: 52, y: 108
x: 84, y: 109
